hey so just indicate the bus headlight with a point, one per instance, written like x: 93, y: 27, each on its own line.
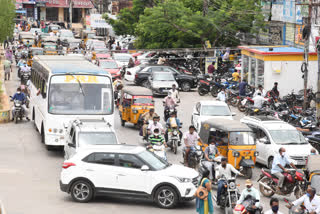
x: 55, y: 130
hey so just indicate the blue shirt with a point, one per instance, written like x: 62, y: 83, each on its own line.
x: 242, y: 88
x: 282, y: 160
x: 21, y: 97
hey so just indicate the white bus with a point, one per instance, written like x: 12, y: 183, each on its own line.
x: 65, y: 88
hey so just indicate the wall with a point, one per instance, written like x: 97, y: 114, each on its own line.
x: 42, y: 13
x: 61, y: 14
x: 290, y: 76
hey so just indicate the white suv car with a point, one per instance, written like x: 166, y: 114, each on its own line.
x: 127, y: 170
x: 88, y: 133
x: 272, y: 134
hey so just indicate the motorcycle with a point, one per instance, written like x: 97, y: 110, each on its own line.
x: 298, y: 209
x: 246, y: 206
x: 159, y: 150
x: 203, y: 168
x: 174, y: 140
x: 25, y: 76
x: 194, y: 156
x: 168, y: 111
x: 18, y: 113
x: 229, y: 197
x: 295, y: 182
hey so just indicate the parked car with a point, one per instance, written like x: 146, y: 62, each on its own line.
x: 272, y: 134
x: 85, y: 134
x: 111, y: 66
x: 210, y: 109
x: 131, y: 72
x: 186, y: 81
x: 161, y: 82
x: 127, y: 170
x: 122, y: 58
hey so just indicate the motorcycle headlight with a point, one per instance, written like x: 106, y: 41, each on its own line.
x: 232, y: 185
x: 183, y: 180
x: 199, y: 153
x: 235, y: 154
x: 175, y: 132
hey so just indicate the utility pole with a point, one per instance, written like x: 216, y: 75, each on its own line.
x: 306, y: 37
x: 318, y: 83
x: 70, y: 12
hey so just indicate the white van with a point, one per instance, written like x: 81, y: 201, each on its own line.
x: 272, y: 134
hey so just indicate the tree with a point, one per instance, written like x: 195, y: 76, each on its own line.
x: 7, y: 14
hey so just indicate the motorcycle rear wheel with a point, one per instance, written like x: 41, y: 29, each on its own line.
x: 241, y: 108
x: 202, y: 91
x: 267, y: 181
x: 234, y: 101
x: 215, y: 91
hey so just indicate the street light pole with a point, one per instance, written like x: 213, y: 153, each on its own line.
x: 70, y: 12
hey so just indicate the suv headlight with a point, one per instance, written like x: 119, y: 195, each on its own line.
x: 183, y: 180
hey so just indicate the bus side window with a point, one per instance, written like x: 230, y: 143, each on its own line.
x: 44, y: 89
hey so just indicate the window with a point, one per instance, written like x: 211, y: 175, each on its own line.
x: 97, y: 138
x: 157, y: 68
x: 130, y: 161
x: 101, y: 158
x: 241, y: 138
x: 198, y: 107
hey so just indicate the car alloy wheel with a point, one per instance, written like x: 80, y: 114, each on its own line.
x: 186, y: 86
x: 81, y: 191
x: 166, y: 197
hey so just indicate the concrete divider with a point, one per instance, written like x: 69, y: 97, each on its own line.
x: 4, y: 98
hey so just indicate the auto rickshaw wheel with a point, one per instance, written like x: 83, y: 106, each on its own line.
x: 247, y: 171
x: 122, y: 122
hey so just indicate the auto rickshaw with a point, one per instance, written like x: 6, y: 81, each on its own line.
x: 134, y: 102
x: 313, y: 171
x: 234, y: 140
x: 26, y: 36
x: 49, y: 45
x: 33, y: 52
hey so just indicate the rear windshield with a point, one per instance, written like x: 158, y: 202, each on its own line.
x: 97, y: 138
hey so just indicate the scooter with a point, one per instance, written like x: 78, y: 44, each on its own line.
x: 174, y: 140
x: 194, y: 157
x: 159, y: 150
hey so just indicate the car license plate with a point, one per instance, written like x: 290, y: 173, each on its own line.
x: 165, y: 90
x: 301, y: 162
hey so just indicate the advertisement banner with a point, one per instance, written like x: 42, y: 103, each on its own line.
x: 209, y: 61
x: 96, y: 21
x: 290, y: 29
x: 301, y: 11
x: 289, y: 11
x: 298, y: 35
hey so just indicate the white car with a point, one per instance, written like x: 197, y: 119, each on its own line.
x: 209, y: 109
x: 122, y: 58
x: 127, y: 170
x: 85, y: 134
x: 272, y: 134
x: 131, y: 72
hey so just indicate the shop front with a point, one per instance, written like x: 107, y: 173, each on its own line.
x: 264, y: 65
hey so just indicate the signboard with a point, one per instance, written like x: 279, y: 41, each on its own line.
x: 298, y: 36
x: 65, y: 3
x: 276, y: 32
x: 289, y: 11
x: 96, y: 21
x: 277, y: 12
x: 301, y: 11
x: 289, y: 38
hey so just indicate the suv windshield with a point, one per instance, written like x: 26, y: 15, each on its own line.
x: 97, y: 138
x: 210, y: 110
x: 163, y: 77
x: 154, y: 161
x: 287, y: 137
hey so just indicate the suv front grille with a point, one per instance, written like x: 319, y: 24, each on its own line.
x: 298, y: 158
x: 195, y: 181
x: 164, y: 89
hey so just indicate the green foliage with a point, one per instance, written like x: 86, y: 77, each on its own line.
x: 7, y: 14
x: 180, y: 23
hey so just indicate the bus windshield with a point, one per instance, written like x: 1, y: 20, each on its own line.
x: 80, y: 95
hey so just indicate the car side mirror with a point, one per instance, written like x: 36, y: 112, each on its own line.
x: 197, y: 113
x: 71, y: 145
x: 233, y: 113
x: 145, y: 168
x: 264, y: 141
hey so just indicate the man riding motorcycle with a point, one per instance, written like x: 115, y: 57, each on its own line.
x: 310, y: 200
x: 156, y: 138
x: 190, y: 140
x: 250, y: 193
x: 175, y: 93
x: 168, y: 103
x: 279, y: 162
x: 155, y: 125
x: 173, y: 123
x: 148, y: 116
x: 224, y: 172
x: 21, y: 97
x: 209, y: 154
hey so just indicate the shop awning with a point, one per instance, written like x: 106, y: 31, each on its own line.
x: 66, y: 3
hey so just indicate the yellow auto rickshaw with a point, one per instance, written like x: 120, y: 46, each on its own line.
x: 313, y: 171
x: 27, y: 37
x: 134, y: 102
x: 33, y: 52
x: 234, y: 140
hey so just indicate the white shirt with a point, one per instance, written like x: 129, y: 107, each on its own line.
x: 263, y: 92
x: 152, y: 127
x: 175, y: 95
x: 113, y: 46
x: 192, y: 139
x: 226, y: 171
x: 258, y: 101
x: 51, y: 33
x: 222, y: 96
x: 271, y: 212
x: 311, y: 206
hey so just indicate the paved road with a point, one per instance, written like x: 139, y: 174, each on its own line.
x: 30, y: 174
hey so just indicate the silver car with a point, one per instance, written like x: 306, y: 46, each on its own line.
x: 161, y: 82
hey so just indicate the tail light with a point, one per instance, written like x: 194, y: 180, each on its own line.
x: 136, y: 76
x: 66, y: 165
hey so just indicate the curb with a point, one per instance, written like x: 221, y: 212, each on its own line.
x: 4, y: 99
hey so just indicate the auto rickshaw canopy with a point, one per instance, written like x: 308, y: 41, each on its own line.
x: 137, y: 91
x: 220, y: 125
x: 313, y: 164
